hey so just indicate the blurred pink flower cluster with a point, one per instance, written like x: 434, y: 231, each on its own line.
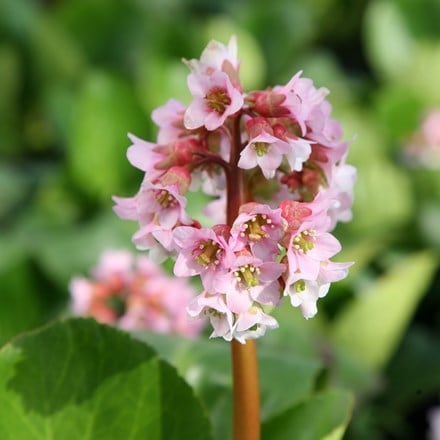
x: 134, y: 293
x: 278, y: 152
x: 423, y: 149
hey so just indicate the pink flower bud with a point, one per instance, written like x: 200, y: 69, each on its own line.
x: 178, y: 176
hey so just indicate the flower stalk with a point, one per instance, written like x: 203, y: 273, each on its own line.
x: 246, y: 391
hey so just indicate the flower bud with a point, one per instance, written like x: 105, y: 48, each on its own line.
x: 179, y: 176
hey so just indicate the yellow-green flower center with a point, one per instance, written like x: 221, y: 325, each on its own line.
x: 207, y: 252
x: 253, y: 228
x: 304, y: 241
x: 299, y: 286
x: 247, y: 275
x: 261, y: 148
x: 165, y: 199
x: 217, y: 99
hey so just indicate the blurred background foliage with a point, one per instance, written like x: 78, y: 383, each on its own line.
x: 76, y: 76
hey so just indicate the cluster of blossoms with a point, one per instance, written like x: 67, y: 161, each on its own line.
x: 274, y: 163
x: 423, y: 149
x: 135, y: 294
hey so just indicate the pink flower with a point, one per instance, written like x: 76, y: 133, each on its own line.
x: 260, y: 227
x: 114, y: 263
x: 154, y: 203
x: 214, y: 99
x: 253, y: 324
x: 301, y: 99
x: 134, y: 294
x: 304, y: 293
x: 141, y: 154
x: 218, y: 57
x: 265, y: 151
x: 158, y: 208
x: 215, y: 308
x: 201, y: 252
x: 256, y: 277
x: 268, y: 145
x: 169, y: 118
x: 340, y: 191
x: 157, y: 240
x: 307, y: 249
x: 81, y: 290
x: 250, y: 323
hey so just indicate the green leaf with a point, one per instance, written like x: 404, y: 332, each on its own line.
x: 413, y: 374
x: 80, y: 380
x: 21, y: 306
x: 323, y: 416
x: 388, y: 41
x: 371, y: 326
x: 105, y: 111
x: 207, y: 366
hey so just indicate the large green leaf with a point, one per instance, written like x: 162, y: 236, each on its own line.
x: 372, y: 324
x: 322, y: 417
x: 80, y: 380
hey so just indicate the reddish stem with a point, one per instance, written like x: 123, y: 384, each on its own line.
x: 244, y: 356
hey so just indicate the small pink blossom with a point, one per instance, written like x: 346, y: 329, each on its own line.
x: 214, y: 99
x: 340, y: 191
x: 260, y: 227
x: 265, y: 151
x: 169, y: 118
x: 218, y: 57
x: 154, y: 203
x: 307, y: 249
x: 142, y: 155
x: 304, y: 293
x: 301, y: 99
x: 250, y: 323
x: 253, y: 324
x: 215, y: 308
x: 256, y: 277
x: 201, y: 252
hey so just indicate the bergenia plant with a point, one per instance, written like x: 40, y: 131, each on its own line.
x: 275, y: 165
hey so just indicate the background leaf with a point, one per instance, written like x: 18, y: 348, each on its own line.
x: 80, y: 380
x: 372, y: 324
x: 323, y: 416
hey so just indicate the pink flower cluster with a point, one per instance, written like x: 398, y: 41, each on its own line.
x: 135, y: 294
x: 280, y: 153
